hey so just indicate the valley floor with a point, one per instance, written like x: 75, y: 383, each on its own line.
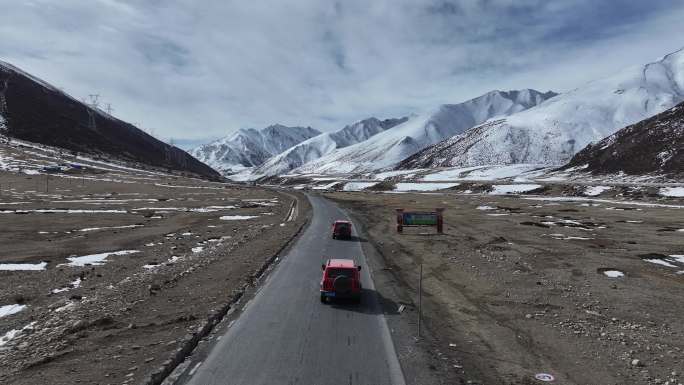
x: 104, y: 278
x: 587, y: 291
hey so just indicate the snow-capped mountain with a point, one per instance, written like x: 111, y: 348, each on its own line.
x: 318, y: 146
x: 391, y: 146
x: 653, y: 146
x: 553, y: 132
x: 251, y: 147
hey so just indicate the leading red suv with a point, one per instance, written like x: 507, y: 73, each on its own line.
x: 341, y: 279
x: 341, y: 230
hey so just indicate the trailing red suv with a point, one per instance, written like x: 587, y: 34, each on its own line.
x: 341, y: 230
x: 341, y: 279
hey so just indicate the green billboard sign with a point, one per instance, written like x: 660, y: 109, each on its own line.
x: 419, y: 219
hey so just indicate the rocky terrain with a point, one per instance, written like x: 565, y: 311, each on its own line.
x: 587, y: 290
x: 111, y: 275
x: 653, y: 146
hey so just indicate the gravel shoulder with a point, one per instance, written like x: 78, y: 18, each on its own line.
x: 517, y: 287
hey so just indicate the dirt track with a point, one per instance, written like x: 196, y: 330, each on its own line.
x: 517, y: 287
x: 118, y: 321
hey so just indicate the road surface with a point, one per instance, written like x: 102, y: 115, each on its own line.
x: 287, y: 336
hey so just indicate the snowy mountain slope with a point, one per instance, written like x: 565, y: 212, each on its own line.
x: 391, y: 146
x: 318, y: 146
x: 251, y: 147
x: 553, y: 132
x: 653, y: 146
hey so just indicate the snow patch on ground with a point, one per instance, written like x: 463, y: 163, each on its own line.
x: 95, y: 259
x: 391, y: 174
x: 423, y: 186
x: 593, y: 191
x: 237, y: 217
x: 72, y: 285
x: 358, y: 186
x: 14, y: 333
x: 110, y: 227
x: 23, y: 266
x: 11, y: 309
x: 501, y: 189
x: 325, y: 187
x: 613, y: 273
x: 678, y: 258
x: 660, y: 262
x: 63, y: 211
x: 677, y: 192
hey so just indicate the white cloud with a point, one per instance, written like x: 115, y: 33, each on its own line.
x: 192, y: 70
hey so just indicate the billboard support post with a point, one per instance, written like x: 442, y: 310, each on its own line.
x: 440, y: 220
x: 400, y: 220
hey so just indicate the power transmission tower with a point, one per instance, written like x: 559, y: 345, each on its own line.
x: 94, y: 100
x: 109, y: 108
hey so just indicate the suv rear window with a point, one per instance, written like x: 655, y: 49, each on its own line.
x: 336, y: 272
x: 342, y: 226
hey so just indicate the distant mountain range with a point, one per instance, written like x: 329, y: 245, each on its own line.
x: 324, y: 144
x: 251, y: 147
x: 498, y: 128
x: 35, y: 111
x: 554, y: 131
x: 391, y: 146
x: 654, y: 146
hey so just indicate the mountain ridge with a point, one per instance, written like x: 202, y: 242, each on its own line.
x: 654, y: 146
x: 35, y: 111
x: 390, y: 147
x: 251, y: 147
x: 553, y: 132
x: 321, y: 145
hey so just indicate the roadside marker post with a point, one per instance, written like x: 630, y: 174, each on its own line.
x: 440, y: 220
x: 420, y: 298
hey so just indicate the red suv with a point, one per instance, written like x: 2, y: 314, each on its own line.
x: 341, y: 279
x: 341, y: 230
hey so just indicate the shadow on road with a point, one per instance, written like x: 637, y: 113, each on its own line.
x: 372, y: 302
x: 353, y: 238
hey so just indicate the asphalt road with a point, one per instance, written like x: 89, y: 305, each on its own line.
x: 287, y: 336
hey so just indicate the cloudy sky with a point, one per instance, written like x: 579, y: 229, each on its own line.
x: 192, y: 72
